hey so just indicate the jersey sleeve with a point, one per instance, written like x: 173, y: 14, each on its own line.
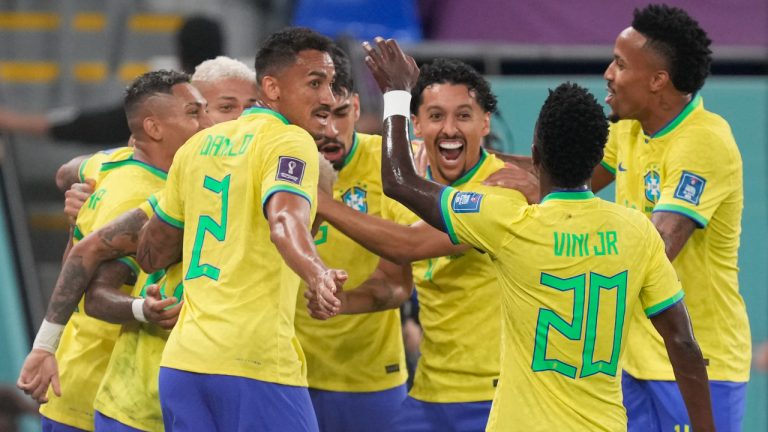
x: 148, y: 206
x: 661, y: 288
x: 611, y: 150
x: 290, y: 165
x: 480, y: 218
x: 89, y: 168
x: 170, y: 204
x: 699, y: 177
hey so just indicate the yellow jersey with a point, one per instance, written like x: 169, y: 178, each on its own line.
x: 459, y: 310
x: 691, y: 167
x: 240, y: 295
x: 353, y: 353
x: 90, y: 168
x: 129, y: 390
x: 571, y: 270
x: 122, y: 185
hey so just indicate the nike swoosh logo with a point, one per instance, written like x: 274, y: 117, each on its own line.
x: 621, y: 168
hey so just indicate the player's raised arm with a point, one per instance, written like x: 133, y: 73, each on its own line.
x: 159, y: 245
x: 674, y: 326
x: 395, y: 72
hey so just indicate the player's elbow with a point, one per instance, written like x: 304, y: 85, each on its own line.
x: 63, y: 179
x: 395, y: 188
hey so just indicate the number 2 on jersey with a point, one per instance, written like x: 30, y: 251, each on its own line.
x: 549, y: 320
x: 208, y: 224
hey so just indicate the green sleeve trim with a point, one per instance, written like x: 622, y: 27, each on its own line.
x: 282, y: 188
x: 106, y: 166
x: 152, y: 201
x: 666, y: 304
x: 700, y: 220
x: 77, y: 234
x: 81, y: 170
x: 165, y: 217
x: 610, y: 169
x: 131, y: 263
x: 445, y: 210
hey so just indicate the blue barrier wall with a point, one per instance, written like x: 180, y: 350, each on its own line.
x: 741, y: 101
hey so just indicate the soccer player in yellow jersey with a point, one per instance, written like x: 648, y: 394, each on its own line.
x: 355, y: 364
x: 163, y: 109
x: 237, y: 208
x: 679, y: 164
x: 571, y: 270
x: 457, y: 286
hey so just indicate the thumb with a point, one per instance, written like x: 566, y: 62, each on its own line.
x: 153, y: 291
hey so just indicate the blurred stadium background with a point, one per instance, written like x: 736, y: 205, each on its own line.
x: 81, y: 53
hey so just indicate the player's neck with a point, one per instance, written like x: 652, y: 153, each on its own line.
x: 149, y: 153
x: 547, y: 186
x: 666, y: 108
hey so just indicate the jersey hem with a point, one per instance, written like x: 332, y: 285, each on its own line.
x: 445, y: 212
x: 282, y: 188
x: 610, y: 169
x: 165, y: 217
x: 666, y: 304
x: 699, y: 220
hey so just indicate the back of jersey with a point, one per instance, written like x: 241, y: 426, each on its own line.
x: 240, y: 295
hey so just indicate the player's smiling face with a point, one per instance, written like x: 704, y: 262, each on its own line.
x: 336, y: 140
x: 630, y: 77
x: 303, y: 91
x: 453, y: 126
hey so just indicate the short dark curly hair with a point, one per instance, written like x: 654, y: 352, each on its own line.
x: 570, y: 135
x: 160, y: 81
x: 677, y: 37
x: 281, y: 48
x: 453, y: 71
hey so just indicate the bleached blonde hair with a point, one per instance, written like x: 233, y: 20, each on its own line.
x: 223, y: 67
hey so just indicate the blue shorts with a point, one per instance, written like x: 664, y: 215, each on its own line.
x: 658, y: 405
x: 103, y: 423
x: 54, y: 426
x: 203, y: 402
x: 419, y: 416
x: 352, y: 412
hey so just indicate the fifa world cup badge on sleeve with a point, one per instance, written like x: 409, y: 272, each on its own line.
x: 466, y: 202
x: 290, y: 169
x: 690, y: 188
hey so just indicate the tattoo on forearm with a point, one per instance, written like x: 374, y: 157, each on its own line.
x: 383, y: 295
x: 66, y: 294
x: 122, y: 236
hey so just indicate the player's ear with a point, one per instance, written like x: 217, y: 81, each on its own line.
x: 486, y: 123
x: 356, y: 106
x: 659, y: 80
x: 416, y: 125
x: 152, y: 128
x: 270, y: 88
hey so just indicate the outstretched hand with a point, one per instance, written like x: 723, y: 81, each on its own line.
x: 514, y: 177
x: 390, y: 66
x: 38, y: 372
x: 163, y: 312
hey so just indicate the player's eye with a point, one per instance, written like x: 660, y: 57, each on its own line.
x: 314, y: 84
x: 435, y: 116
x: 226, y: 108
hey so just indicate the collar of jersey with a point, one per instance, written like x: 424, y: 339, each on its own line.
x: 351, y: 154
x: 568, y: 195
x: 467, y: 175
x: 262, y: 110
x: 106, y: 166
x: 692, y: 105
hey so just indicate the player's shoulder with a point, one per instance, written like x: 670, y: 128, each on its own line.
x: 629, y: 219
x: 368, y: 146
x: 708, y: 129
x: 624, y: 128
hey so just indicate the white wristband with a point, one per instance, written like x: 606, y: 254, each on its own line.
x: 137, y: 306
x: 48, y: 336
x: 397, y: 102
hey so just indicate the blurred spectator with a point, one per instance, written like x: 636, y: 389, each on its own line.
x: 199, y: 39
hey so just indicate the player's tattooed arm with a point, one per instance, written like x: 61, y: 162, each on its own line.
x: 114, y: 240
x: 400, y: 244
x: 69, y: 173
x: 675, y: 230
x: 688, y: 364
x: 394, y: 70
x: 159, y: 245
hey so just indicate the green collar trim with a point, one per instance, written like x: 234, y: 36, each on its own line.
x: 106, y: 166
x: 692, y: 105
x: 267, y: 111
x: 351, y: 154
x: 570, y: 196
x: 467, y: 175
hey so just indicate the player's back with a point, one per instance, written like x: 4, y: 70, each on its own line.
x: 240, y: 295
x: 572, y: 269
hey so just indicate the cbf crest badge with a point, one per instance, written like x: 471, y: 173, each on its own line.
x: 652, y: 182
x: 356, y: 198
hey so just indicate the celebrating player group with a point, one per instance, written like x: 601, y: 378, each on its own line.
x: 240, y: 264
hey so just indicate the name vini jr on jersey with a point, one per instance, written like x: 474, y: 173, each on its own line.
x: 578, y: 245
